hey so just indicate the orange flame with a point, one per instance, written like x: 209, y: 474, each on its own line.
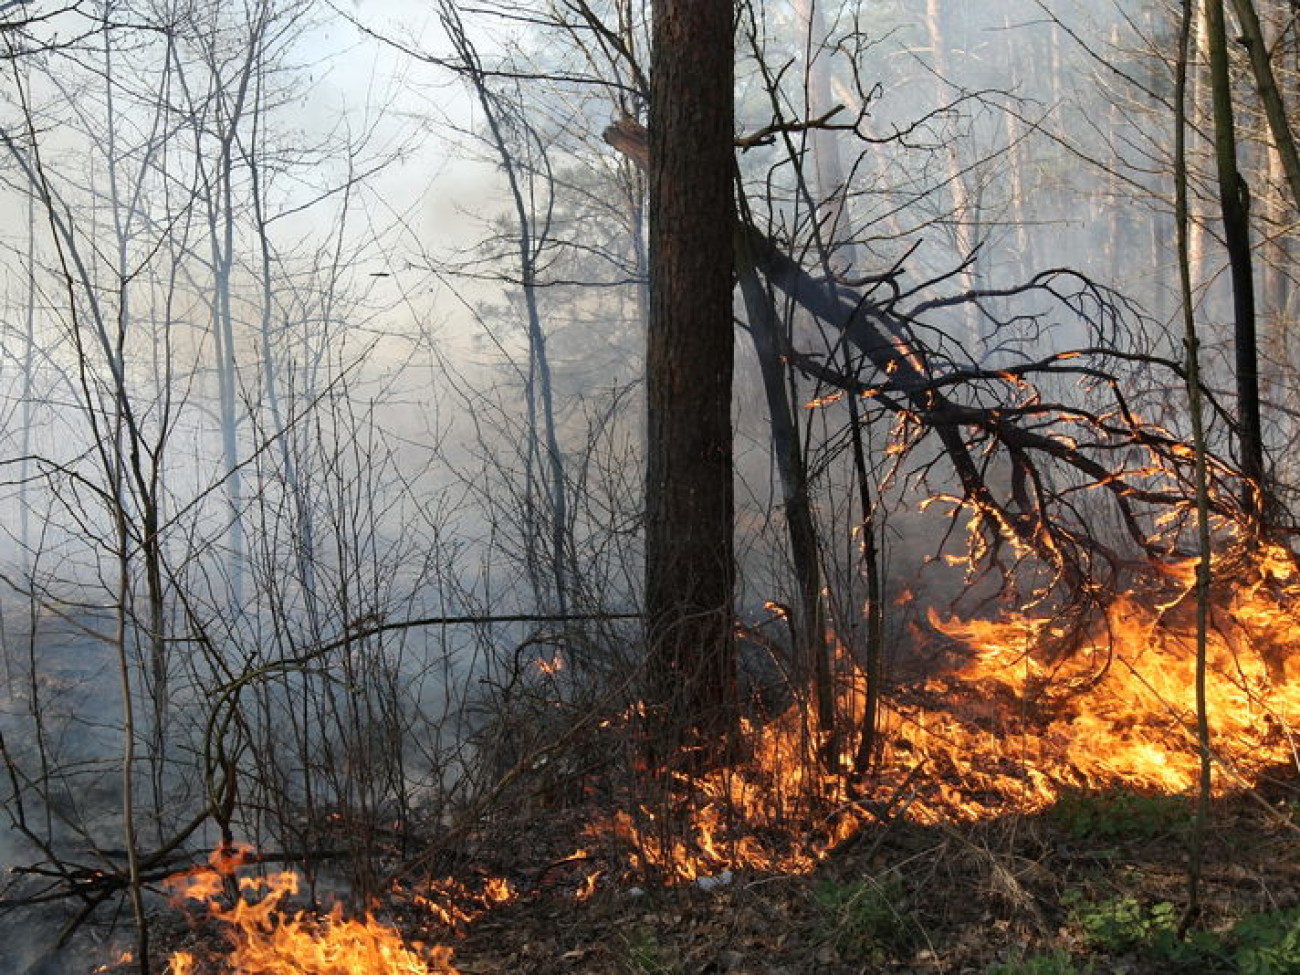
x: 125, y: 958
x: 1039, y: 705
x: 1036, y: 705
x: 1116, y: 705
x: 265, y: 937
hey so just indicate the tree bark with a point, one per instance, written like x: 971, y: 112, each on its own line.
x: 1234, y: 203
x: 809, y: 627
x: 963, y: 220
x: 690, y: 573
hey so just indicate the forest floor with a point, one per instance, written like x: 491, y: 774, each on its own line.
x: 1097, y: 883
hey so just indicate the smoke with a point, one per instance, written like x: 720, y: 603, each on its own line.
x: 30, y: 935
x: 60, y: 725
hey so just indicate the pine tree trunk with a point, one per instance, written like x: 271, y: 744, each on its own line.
x: 689, y: 492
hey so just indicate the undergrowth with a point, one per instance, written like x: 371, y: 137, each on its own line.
x: 865, y: 919
x: 1115, y: 815
x: 1266, y: 943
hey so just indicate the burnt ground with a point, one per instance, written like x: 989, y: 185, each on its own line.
x: 1098, y: 883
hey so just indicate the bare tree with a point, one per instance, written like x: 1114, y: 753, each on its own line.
x: 525, y: 164
x: 108, y: 144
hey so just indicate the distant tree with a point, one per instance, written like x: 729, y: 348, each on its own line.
x: 1271, y: 54
x: 690, y: 572
x: 529, y: 179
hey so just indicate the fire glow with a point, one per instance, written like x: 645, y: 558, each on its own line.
x: 1033, y: 707
x: 1044, y: 707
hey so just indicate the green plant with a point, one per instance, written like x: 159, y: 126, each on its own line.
x: 1267, y: 944
x: 1122, y: 924
x: 1118, y: 814
x: 645, y: 956
x: 1258, y: 944
x: 865, y: 918
x: 1055, y: 962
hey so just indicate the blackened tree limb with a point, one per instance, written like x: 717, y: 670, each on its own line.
x: 1054, y: 450
x: 1270, y: 95
x: 764, y: 329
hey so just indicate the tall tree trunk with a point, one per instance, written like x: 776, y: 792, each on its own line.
x: 830, y: 184
x: 962, y: 219
x: 1191, y: 343
x: 1234, y: 203
x: 828, y: 191
x: 814, y: 661
x: 690, y: 572
x: 548, y: 522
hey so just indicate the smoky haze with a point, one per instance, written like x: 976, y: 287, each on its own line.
x: 306, y: 339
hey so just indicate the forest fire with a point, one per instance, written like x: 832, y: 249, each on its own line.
x: 265, y: 937
x: 1033, y: 708
x: 1036, y: 707
x: 1043, y: 706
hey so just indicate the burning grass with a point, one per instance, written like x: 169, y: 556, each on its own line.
x: 265, y: 936
x: 1041, y: 706
x: 1036, y: 715
x: 1033, y: 708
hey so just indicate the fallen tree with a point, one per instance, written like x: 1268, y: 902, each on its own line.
x: 1057, y: 451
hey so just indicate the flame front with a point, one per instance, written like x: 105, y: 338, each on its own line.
x: 1034, y: 706
x: 1117, y: 709
x: 1038, y: 706
x: 265, y: 937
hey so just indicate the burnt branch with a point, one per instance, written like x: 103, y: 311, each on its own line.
x: 975, y: 410
x: 904, y: 362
